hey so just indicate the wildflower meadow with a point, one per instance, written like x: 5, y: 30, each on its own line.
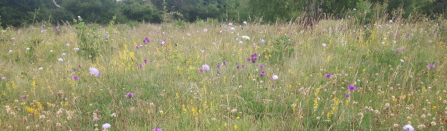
x: 389, y: 74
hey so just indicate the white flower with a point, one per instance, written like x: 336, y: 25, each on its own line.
x: 401, y: 60
x: 76, y: 49
x: 246, y: 37
x: 355, y: 9
x: 232, y: 28
x: 94, y: 71
x: 324, y: 44
x: 205, y: 30
x: 391, y: 21
x: 274, y: 77
x: 60, y: 59
x: 27, y: 48
x: 63, y: 54
x: 40, y: 68
x: 10, y: 51
x: 408, y: 128
x: 106, y: 126
x: 51, y: 50
x: 3, y: 78
x: 79, y: 17
x: 240, y: 42
x: 230, y: 23
x: 245, y: 22
x: 68, y: 44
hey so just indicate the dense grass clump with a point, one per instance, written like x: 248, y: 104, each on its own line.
x: 334, y: 76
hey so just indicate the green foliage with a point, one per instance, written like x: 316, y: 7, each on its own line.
x: 87, y: 42
x: 282, y: 49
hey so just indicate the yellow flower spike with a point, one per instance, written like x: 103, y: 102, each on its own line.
x: 235, y: 127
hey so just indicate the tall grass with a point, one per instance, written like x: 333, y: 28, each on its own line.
x: 386, y: 62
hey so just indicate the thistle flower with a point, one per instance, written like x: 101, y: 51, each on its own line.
x: 24, y: 97
x: 408, y: 128
x: 224, y: 63
x: 237, y: 66
x: 261, y: 66
x: 106, y: 126
x: 140, y: 65
x: 347, y: 95
x: 205, y: 67
x: 94, y: 71
x: 129, y: 95
x: 351, y: 87
x: 75, y: 77
x: 274, y: 77
x: 145, y: 60
x: 137, y: 47
x: 262, y: 73
x: 218, y: 65
x: 328, y: 75
x: 243, y: 66
x: 431, y: 66
x: 201, y: 70
x: 146, y: 40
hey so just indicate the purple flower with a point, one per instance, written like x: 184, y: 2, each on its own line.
x: 205, y: 67
x: 141, y: 65
x: 137, y: 47
x: 273, y: 86
x: 156, y: 129
x: 24, y: 96
x: 218, y: 65
x: 347, y: 95
x: 397, y: 51
x: 145, y: 60
x: 336, y: 18
x: 243, y: 66
x: 129, y: 95
x: 262, y: 73
x: 146, y: 40
x: 262, y: 41
x: 200, y: 70
x: 431, y: 66
x: 74, y: 69
x: 75, y: 77
x: 79, y: 65
x: 328, y: 75
x: 248, y: 59
x: 351, y: 87
x: 261, y: 66
x: 237, y: 66
x: 224, y: 63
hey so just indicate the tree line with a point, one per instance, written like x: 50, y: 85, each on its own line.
x: 26, y: 12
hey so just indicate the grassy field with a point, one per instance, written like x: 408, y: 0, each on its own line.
x: 222, y: 76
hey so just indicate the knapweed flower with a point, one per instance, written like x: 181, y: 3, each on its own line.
x: 205, y: 67
x: 347, y: 95
x: 156, y: 129
x: 24, y: 96
x: 237, y: 66
x: 351, y: 87
x: 94, y: 71
x: 328, y: 75
x: 140, y: 65
x: 262, y: 73
x: 129, y: 95
x: 274, y: 77
x: 261, y: 66
x: 408, y: 128
x: 262, y: 41
x: 75, y: 77
x: 146, y: 40
x: 137, y: 47
x: 218, y: 66
x: 60, y: 59
x: 243, y: 66
x: 431, y: 66
x: 145, y: 60
x: 224, y: 63
x: 201, y: 70
x: 106, y: 126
